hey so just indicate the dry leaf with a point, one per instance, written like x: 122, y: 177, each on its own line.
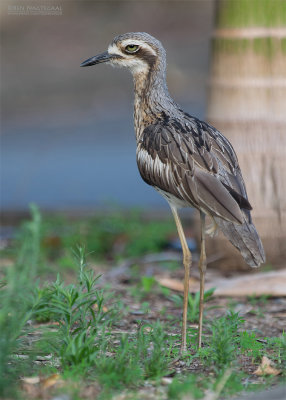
x: 265, y: 283
x: 50, y: 381
x: 30, y: 385
x: 33, y: 380
x: 44, y: 383
x: 175, y: 284
x: 265, y: 368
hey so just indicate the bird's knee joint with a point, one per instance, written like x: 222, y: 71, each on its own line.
x: 203, y: 265
x: 203, y: 268
x: 187, y: 258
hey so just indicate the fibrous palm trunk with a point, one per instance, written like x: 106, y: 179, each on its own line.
x: 247, y: 103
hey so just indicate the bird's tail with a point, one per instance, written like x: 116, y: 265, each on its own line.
x: 245, y: 238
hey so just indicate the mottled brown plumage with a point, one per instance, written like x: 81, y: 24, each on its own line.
x: 186, y: 160
x: 199, y: 167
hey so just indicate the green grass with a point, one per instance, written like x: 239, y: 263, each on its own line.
x: 114, y: 236
x: 191, y: 385
x: 193, y: 303
x: 80, y: 330
x: 15, y: 301
x: 145, y: 355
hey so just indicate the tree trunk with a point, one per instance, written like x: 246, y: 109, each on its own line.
x: 247, y: 103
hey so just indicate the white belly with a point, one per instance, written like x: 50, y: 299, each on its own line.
x: 173, y: 200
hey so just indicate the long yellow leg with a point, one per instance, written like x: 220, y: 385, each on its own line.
x: 187, y: 261
x: 202, y: 268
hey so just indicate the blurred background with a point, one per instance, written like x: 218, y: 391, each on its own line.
x: 68, y: 139
x: 67, y: 133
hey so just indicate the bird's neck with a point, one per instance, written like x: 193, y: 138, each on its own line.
x: 152, y: 98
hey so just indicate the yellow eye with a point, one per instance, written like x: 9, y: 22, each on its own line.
x: 131, y: 48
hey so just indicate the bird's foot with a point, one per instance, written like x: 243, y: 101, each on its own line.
x: 183, y: 350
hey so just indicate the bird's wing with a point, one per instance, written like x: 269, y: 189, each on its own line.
x: 195, y: 163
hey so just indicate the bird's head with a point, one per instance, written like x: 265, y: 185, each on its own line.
x: 139, y: 52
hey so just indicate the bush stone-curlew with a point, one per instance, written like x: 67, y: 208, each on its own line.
x: 189, y: 162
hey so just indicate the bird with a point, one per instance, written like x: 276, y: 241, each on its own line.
x: 188, y: 161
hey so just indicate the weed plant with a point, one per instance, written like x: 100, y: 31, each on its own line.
x: 144, y: 287
x: 277, y: 346
x: 224, y: 339
x: 15, y: 299
x: 250, y: 346
x: 193, y: 303
x: 224, y: 342
x: 83, y: 334
x: 79, y: 311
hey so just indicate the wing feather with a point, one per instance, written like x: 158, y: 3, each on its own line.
x: 193, y: 161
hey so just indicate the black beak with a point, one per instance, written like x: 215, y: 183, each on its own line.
x: 100, y: 58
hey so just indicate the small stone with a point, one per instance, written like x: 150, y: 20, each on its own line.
x: 137, y: 312
x: 62, y: 397
x: 166, y: 381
